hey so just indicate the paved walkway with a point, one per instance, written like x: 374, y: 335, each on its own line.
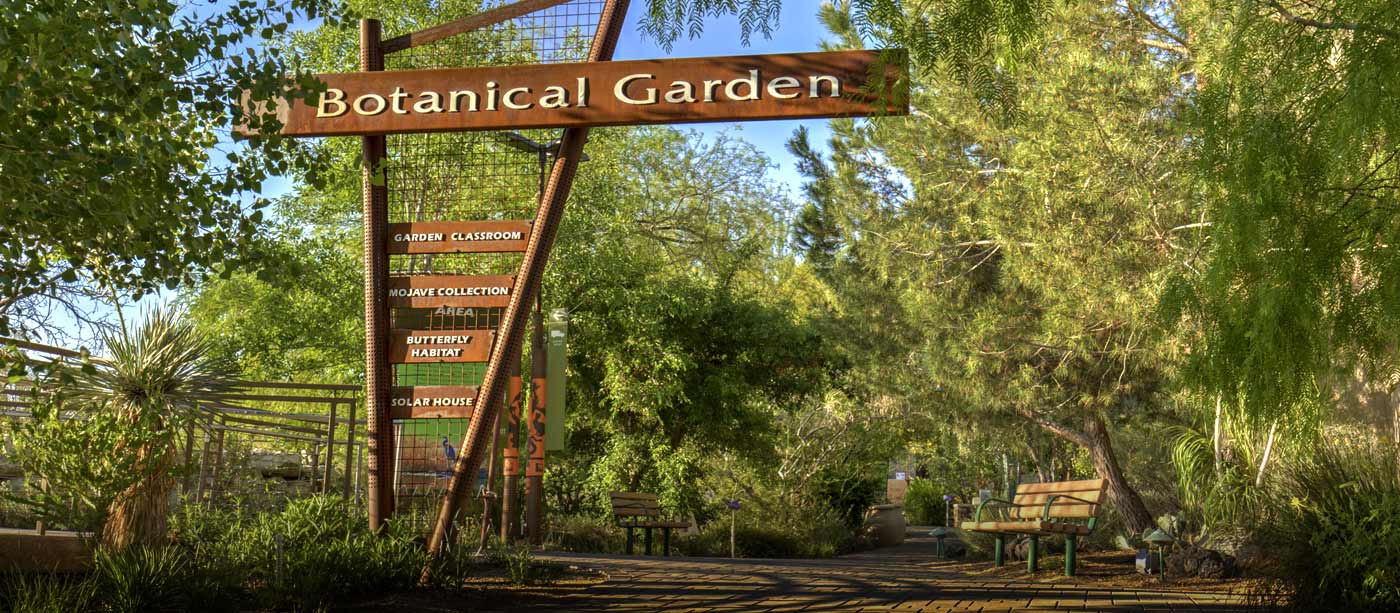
x: 904, y: 578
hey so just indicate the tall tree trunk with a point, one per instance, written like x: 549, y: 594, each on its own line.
x: 1268, y: 451
x: 138, y: 515
x: 1125, y: 498
x: 1095, y: 438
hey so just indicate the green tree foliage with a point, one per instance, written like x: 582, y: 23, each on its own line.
x: 117, y: 155
x: 1296, y: 157
x: 1028, y: 258
x: 104, y: 433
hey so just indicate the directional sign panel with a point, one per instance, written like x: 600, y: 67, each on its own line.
x: 427, y: 346
x: 459, y: 236
x: 432, y: 401
x: 435, y: 291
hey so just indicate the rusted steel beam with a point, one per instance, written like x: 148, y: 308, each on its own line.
x: 467, y: 24
x: 275, y: 398
x: 508, y: 340
x: 375, y: 198
x: 243, y: 385
x: 350, y: 449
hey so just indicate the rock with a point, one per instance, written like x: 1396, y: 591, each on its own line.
x: 1020, y: 548
x: 1193, y: 561
x: 273, y: 464
x: 1249, y: 557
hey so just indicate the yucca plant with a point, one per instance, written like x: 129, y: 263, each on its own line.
x: 150, y: 385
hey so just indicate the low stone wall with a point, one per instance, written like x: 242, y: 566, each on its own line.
x: 25, y: 550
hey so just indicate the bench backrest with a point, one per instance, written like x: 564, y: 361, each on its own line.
x: 1078, y: 499
x: 635, y: 505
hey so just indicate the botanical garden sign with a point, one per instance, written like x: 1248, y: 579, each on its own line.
x: 576, y: 96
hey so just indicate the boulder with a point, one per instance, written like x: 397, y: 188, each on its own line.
x: 1020, y: 548
x: 1194, y: 561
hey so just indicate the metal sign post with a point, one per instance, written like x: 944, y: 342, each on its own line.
x: 574, y: 96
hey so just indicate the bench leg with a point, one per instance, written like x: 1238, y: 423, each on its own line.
x: 1069, y: 555
x: 1000, y: 550
x: 648, y: 541
x: 630, y: 540
x: 666, y: 541
x: 1032, y: 559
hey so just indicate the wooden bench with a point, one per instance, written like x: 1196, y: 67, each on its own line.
x: 634, y: 510
x: 1067, y: 508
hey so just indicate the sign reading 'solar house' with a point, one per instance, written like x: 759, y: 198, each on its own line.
x: 458, y: 236
x: 830, y: 84
x: 432, y: 401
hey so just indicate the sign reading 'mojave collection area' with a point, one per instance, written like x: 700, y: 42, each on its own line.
x: 637, y: 92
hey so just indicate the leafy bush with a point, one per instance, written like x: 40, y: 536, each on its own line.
x: 1338, y: 536
x: 43, y: 593
x: 923, y: 504
x: 585, y: 534
x: 145, y: 579
x: 808, y: 535
x: 848, y: 493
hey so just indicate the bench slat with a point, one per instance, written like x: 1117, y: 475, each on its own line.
x: 1061, y: 487
x: 1093, y: 497
x: 1037, y: 511
x: 1026, y: 527
x: 633, y: 496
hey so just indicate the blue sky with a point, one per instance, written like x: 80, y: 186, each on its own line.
x: 798, y: 30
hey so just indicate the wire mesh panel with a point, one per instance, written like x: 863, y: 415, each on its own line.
x: 466, y: 176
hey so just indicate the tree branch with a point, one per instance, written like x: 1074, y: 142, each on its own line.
x: 1331, y: 25
x: 1055, y: 427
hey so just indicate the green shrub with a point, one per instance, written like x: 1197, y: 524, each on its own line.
x: 145, y: 579
x: 923, y: 504
x: 813, y: 534
x: 1337, y: 536
x: 847, y: 493
x: 46, y: 593
x: 586, y: 534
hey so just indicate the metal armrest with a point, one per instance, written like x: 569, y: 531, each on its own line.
x: 978, y: 517
x: 1093, y: 519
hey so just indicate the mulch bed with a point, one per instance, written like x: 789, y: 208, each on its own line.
x: 1109, y: 569
x: 491, y: 590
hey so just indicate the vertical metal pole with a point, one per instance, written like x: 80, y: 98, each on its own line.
x: 513, y: 324
x: 510, y: 489
x: 534, y: 466
x: 218, y: 463
x: 189, y: 458
x: 204, y: 462
x: 330, y: 451
x: 488, y: 491
x: 350, y: 466
x: 376, y: 261
x: 315, y: 473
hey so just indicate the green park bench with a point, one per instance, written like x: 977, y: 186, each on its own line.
x: 636, y: 510
x: 1066, y: 508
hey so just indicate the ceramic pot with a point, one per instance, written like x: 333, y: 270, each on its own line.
x: 885, y: 524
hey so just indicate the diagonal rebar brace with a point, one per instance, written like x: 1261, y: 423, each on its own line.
x: 508, y: 340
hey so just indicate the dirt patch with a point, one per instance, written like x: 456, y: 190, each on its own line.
x: 490, y: 590
x: 1109, y: 569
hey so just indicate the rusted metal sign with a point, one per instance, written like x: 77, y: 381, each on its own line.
x: 456, y: 291
x: 752, y: 87
x: 427, y: 346
x: 432, y: 401
x: 458, y: 236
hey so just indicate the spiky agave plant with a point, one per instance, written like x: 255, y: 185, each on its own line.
x: 152, y: 382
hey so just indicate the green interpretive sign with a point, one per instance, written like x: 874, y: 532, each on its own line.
x: 555, y: 426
